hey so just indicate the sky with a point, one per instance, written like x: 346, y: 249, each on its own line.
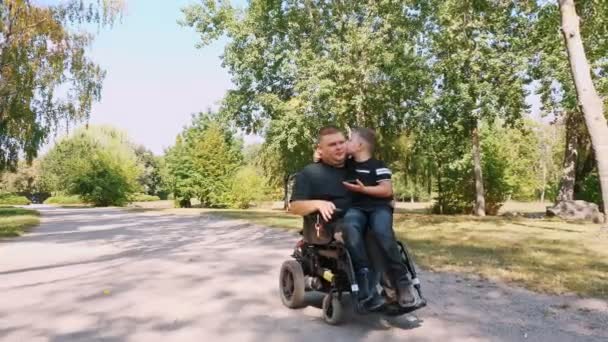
x: 156, y: 77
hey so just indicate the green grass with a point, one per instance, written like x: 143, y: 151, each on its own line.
x: 15, y: 221
x: 543, y: 255
x: 548, y: 256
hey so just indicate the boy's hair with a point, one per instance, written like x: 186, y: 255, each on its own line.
x: 367, y: 134
x: 327, y: 130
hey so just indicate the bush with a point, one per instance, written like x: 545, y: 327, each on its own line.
x: 98, y: 164
x: 590, y: 189
x: 247, y: 186
x: 456, y: 193
x: 64, y: 200
x: 404, y: 189
x: 12, y: 199
x: 144, y: 198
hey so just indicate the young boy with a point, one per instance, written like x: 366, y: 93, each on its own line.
x: 369, y: 180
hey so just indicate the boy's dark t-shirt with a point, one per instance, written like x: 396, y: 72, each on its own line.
x: 371, y: 173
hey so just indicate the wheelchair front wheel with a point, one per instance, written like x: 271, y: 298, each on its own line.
x: 333, y: 310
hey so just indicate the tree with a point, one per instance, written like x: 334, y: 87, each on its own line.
x: 43, y: 55
x: 479, y: 63
x: 247, y: 186
x: 151, y: 179
x: 591, y: 104
x: 25, y: 180
x: 203, y: 161
x: 96, y: 163
x: 300, y: 65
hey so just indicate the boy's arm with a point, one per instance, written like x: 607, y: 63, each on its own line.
x: 383, y: 189
x: 383, y: 177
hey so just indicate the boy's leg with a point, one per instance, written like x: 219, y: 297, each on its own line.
x: 355, y: 223
x: 381, y: 224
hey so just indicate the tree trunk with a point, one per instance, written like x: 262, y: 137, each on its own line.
x: 440, y: 197
x: 566, y: 188
x: 589, y: 100
x: 544, y: 182
x: 480, y: 201
x: 286, y: 193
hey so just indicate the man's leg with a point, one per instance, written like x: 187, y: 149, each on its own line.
x: 355, y: 223
x: 381, y: 224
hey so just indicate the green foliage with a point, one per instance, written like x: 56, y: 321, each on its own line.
x: 104, y: 180
x: 248, y: 186
x: 12, y: 199
x: 152, y: 179
x: 96, y: 163
x: 25, y: 180
x: 406, y: 189
x: 144, y: 198
x: 64, y: 200
x: 456, y: 187
x: 203, y: 161
x: 299, y: 66
x: 46, y: 77
x: 590, y: 189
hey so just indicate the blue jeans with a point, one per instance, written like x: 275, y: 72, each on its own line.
x: 380, y: 223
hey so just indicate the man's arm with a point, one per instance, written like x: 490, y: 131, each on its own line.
x: 305, y: 207
x: 302, y: 204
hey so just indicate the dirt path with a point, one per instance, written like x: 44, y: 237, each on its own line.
x: 113, y: 275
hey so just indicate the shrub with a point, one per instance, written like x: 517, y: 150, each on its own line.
x: 144, y: 198
x: 98, y: 164
x: 247, y: 186
x: 456, y: 193
x: 65, y: 200
x: 590, y: 189
x: 12, y: 199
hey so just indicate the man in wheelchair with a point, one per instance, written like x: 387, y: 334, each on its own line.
x: 323, y: 197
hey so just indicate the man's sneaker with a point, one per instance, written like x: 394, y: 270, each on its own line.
x: 406, y: 297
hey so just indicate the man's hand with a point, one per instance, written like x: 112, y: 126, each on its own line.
x: 359, y: 187
x: 326, y: 209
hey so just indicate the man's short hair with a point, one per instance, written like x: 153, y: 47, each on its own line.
x: 327, y: 130
x: 367, y: 134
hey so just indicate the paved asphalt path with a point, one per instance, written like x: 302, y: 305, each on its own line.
x: 115, y: 275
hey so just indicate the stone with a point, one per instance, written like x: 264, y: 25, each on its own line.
x: 576, y: 210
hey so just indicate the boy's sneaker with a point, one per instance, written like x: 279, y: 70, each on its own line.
x: 406, y: 297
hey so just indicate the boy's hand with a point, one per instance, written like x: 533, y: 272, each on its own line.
x: 359, y: 187
x: 316, y: 157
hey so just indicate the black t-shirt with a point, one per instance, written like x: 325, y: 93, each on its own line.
x: 371, y: 173
x: 320, y: 181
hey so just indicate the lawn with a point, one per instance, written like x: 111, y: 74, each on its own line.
x: 544, y: 255
x: 14, y: 221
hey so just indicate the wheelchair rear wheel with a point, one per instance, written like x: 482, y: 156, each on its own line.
x: 291, y: 284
